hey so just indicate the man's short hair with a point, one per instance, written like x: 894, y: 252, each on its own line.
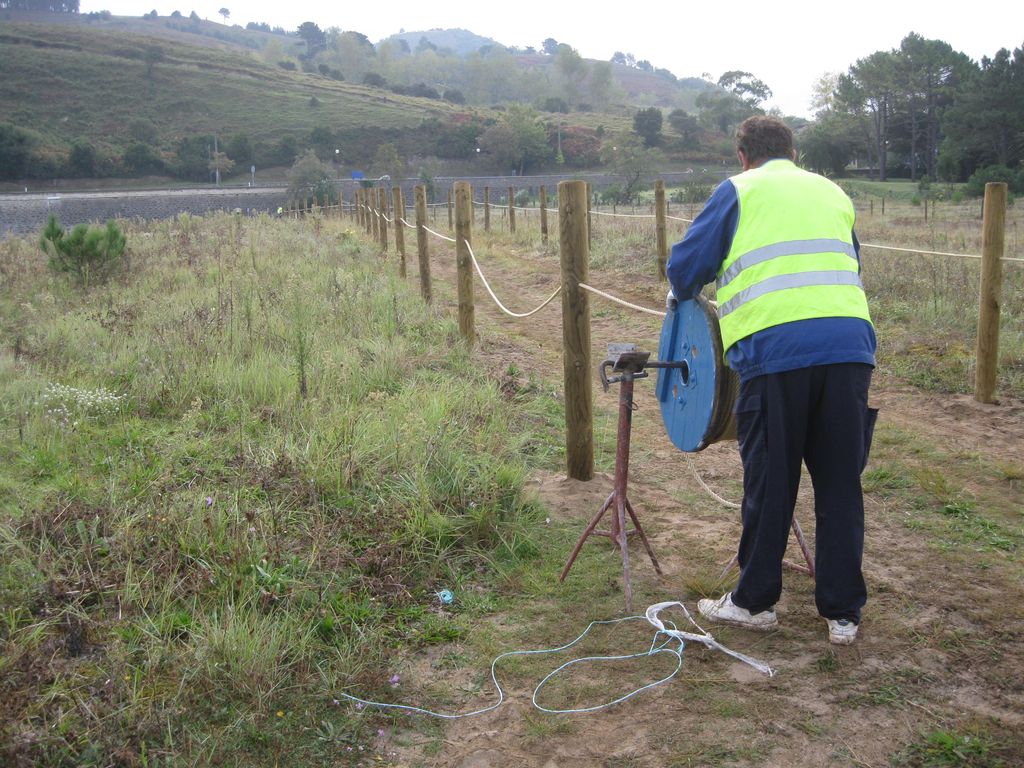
x: 764, y: 138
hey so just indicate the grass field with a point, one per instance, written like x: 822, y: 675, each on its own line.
x: 236, y: 478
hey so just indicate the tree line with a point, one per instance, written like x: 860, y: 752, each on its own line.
x: 921, y: 110
x: 47, y: 6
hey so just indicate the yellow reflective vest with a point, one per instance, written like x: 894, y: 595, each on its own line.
x: 792, y: 255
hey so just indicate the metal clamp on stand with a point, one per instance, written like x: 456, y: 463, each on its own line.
x: 625, y: 363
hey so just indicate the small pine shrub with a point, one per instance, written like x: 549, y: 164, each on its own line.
x: 88, y: 254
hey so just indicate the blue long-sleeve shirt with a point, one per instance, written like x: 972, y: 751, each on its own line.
x: 695, y: 261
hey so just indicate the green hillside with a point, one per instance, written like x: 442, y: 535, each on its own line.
x: 67, y: 83
x: 102, y: 96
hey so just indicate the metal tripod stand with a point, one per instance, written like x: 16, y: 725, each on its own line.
x: 629, y: 363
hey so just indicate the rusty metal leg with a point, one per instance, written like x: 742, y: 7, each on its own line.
x: 808, y: 555
x: 643, y: 536
x: 627, y: 582
x: 586, y: 533
x: 728, y: 567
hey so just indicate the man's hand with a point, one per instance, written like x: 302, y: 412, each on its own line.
x: 671, y: 302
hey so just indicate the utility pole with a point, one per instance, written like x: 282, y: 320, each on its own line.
x: 216, y: 169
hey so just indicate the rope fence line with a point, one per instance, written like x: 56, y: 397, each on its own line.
x: 497, y: 301
x: 623, y: 302
x: 625, y: 215
x: 690, y: 221
x: 438, y: 234
x: 934, y: 253
x: 509, y: 312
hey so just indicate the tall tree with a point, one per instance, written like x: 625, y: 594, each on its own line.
x: 687, y: 126
x: 928, y: 75
x: 519, y: 141
x: 986, y: 124
x: 313, y: 37
x: 749, y: 89
x: 721, y: 110
x: 572, y: 70
x: 647, y: 125
x: 870, y: 87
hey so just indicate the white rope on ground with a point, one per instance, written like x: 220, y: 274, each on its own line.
x: 438, y: 234
x: 672, y: 636
x: 679, y: 218
x: 932, y: 253
x: 624, y: 303
x: 711, y: 493
x: 503, y: 308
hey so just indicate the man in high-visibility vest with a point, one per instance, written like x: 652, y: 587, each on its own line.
x: 779, y: 243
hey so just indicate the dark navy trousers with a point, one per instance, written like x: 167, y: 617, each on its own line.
x: 818, y: 416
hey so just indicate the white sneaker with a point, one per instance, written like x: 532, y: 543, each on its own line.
x: 841, y: 631
x: 724, y: 611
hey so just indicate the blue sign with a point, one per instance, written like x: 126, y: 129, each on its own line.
x: 357, y: 175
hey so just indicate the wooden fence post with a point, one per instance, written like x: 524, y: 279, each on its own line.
x: 662, y: 234
x: 463, y: 261
x: 382, y: 222
x: 992, y: 246
x: 512, y: 209
x: 371, y: 213
x: 573, y: 205
x: 399, y: 203
x: 377, y: 220
x: 544, y: 214
x: 420, y: 193
x: 487, y: 209
x: 450, y: 223
x: 590, y: 223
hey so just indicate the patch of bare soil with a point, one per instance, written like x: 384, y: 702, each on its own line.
x: 940, y: 647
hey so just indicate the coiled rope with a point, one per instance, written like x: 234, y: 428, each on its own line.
x: 672, y: 636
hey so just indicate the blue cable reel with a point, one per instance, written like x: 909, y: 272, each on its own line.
x: 696, y: 398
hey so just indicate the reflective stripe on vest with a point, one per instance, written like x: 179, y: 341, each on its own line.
x: 792, y: 256
x: 789, y: 248
x: 782, y: 282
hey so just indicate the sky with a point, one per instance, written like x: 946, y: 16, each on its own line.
x: 789, y: 45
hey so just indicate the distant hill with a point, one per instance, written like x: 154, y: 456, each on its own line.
x: 133, y: 91
x: 638, y: 87
x: 69, y: 82
x: 460, y: 42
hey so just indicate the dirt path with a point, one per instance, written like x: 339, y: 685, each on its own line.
x: 941, y: 644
